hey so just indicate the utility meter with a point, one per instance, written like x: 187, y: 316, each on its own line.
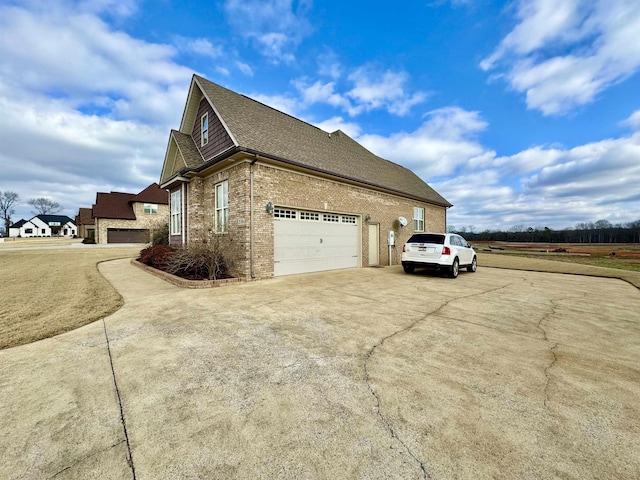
x: 391, y: 238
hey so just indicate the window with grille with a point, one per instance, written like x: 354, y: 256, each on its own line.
x: 222, y: 207
x: 151, y: 208
x: 175, y: 213
x: 283, y: 213
x: 310, y: 216
x: 204, y: 129
x: 328, y: 217
x: 348, y: 219
x: 418, y: 219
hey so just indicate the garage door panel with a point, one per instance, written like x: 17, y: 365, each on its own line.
x: 127, y: 235
x: 302, y: 246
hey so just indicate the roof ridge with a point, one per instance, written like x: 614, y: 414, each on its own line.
x: 264, y: 104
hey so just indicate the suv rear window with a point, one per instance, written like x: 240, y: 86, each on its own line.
x: 427, y: 238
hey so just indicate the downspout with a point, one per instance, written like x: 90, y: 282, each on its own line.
x: 251, y: 215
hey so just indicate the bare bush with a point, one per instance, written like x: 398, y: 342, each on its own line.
x: 198, y: 260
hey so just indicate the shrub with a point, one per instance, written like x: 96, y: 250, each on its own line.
x: 198, y: 260
x: 161, y: 235
x: 157, y: 256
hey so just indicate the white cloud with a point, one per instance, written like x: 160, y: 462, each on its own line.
x: 563, y: 54
x: 375, y: 89
x: 101, y: 67
x: 245, y: 68
x: 442, y: 144
x: 633, y: 121
x: 554, y: 187
x: 320, y: 92
x: 85, y: 108
x: 372, y: 89
x: 275, y: 27
x: 50, y: 149
x: 329, y: 65
x: 200, y: 46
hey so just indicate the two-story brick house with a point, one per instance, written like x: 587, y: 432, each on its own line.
x: 281, y: 196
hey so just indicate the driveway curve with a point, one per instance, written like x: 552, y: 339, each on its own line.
x: 364, y: 373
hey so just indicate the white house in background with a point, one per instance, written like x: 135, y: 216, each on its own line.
x: 44, y: 226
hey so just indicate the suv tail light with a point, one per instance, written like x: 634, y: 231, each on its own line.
x: 404, y: 248
x: 446, y: 251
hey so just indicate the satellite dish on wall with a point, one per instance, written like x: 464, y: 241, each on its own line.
x: 403, y: 221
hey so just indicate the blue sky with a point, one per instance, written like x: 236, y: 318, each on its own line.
x: 519, y: 113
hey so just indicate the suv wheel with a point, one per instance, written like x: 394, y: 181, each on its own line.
x: 474, y: 265
x: 455, y: 268
x: 408, y: 268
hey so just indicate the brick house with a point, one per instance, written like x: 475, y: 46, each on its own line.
x: 281, y: 196
x: 128, y: 217
x: 86, y: 224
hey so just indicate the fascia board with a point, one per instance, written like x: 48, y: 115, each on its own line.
x: 215, y: 110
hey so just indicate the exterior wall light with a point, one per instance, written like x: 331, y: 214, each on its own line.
x: 367, y: 218
x: 269, y: 208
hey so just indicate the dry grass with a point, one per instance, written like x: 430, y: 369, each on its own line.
x: 48, y: 292
x: 556, y: 265
x: 38, y: 242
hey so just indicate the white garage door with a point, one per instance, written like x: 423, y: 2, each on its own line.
x: 314, y: 241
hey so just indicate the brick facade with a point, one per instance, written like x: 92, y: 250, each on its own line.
x: 147, y: 221
x: 288, y: 188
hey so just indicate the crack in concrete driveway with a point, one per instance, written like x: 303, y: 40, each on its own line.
x: 265, y: 380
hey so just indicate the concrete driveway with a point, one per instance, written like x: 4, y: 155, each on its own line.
x: 366, y: 373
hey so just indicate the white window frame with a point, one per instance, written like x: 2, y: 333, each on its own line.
x: 222, y: 207
x: 151, y: 208
x: 176, y: 216
x: 204, y: 129
x: 418, y: 219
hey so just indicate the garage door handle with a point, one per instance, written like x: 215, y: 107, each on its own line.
x: 320, y: 240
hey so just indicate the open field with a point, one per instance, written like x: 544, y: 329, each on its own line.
x: 48, y: 292
x: 627, y: 256
x: 37, y: 242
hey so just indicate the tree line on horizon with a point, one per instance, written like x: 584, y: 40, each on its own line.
x: 601, y: 231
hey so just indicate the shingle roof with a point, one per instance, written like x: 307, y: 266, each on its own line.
x: 114, y: 205
x: 18, y: 224
x: 62, y: 219
x: 260, y: 128
x: 119, y: 205
x: 152, y: 194
x: 84, y: 217
x: 188, y: 149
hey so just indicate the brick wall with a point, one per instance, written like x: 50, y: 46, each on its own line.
x: 143, y: 221
x: 292, y: 189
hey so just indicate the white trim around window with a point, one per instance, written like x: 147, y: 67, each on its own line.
x: 204, y: 129
x: 176, y: 217
x: 222, y: 207
x: 151, y: 208
x: 418, y: 219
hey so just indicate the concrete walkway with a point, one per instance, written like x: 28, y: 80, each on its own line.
x: 365, y: 373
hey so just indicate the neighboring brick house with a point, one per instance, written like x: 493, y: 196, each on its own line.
x: 86, y: 224
x: 44, y: 226
x: 281, y: 196
x: 130, y: 218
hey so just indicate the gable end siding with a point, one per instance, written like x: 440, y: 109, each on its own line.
x: 219, y: 140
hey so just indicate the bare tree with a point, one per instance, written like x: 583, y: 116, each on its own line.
x: 7, y: 201
x: 44, y: 206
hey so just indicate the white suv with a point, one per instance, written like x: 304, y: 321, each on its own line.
x: 440, y: 251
